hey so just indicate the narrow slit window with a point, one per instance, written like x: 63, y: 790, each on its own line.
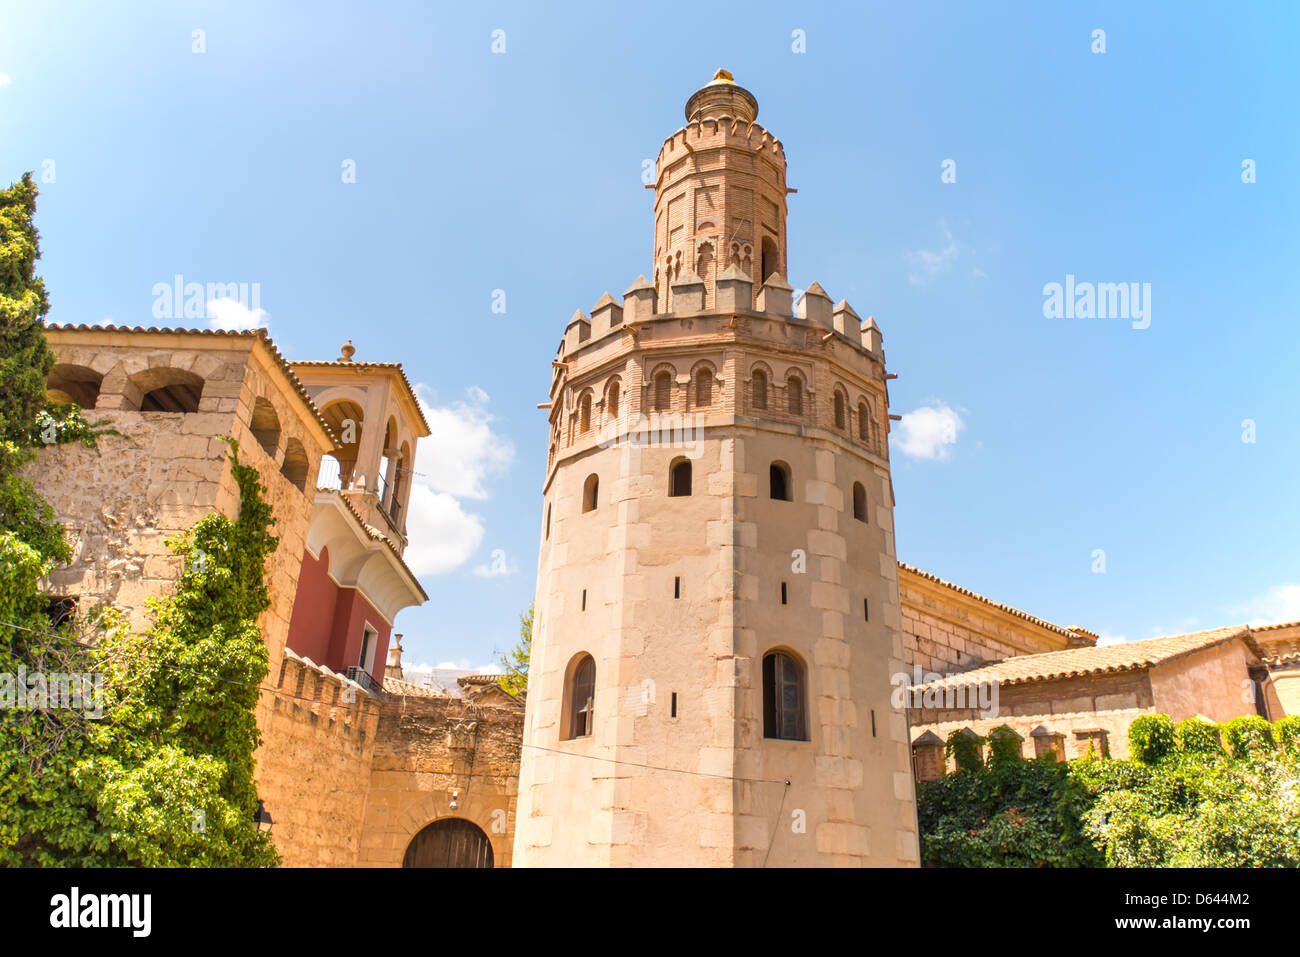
x: 784, y: 594
x: 674, y: 714
x: 677, y: 587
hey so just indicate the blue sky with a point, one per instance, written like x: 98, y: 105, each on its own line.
x: 521, y: 171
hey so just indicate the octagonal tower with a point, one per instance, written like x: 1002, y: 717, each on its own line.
x: 717, y: 613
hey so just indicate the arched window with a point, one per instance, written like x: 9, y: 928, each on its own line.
x: 265, y: 426
x: 590, y: 493
x: 771, y: 262
x: 582, y: 697
x: 584, y: 414
x: 759, y: 389
x: 838, y: 402
x: 704, y: 387
x: 663, y: 391
x: 783, y: 697
x: 864, y: 422
x: 296, y: 464
x: 859, y: 502
x: 779, y: 482
x: 72, y: 384
x: 794, y: 394
x: 168, y: 390
x: 611, y: 403
x: 679, y: 477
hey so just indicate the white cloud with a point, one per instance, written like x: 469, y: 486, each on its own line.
x: 461, y: 450
x: 978, y: 273
x: 441, y: 533
x: 231, y: 314
x: 1106, y: 638
x: 1280, y: 603
x: 463, y: 664
x: 4, y: 79
x: 927, y: 264
x: 452, y: 464
x: 927, y: 432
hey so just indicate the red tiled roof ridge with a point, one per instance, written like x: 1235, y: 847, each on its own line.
x: 1099, y: 659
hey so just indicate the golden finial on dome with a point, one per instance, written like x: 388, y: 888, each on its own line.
x: 722, y: 76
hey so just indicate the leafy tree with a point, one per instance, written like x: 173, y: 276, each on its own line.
x: 25, y: 358
x: 158, y: 770
x: 515, y: 680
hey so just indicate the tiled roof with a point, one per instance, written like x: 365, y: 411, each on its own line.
x: 1277, y: 627
x: 211, y: 333
x: 393, y: 366
x: 1072, y: 632
x: 398, y: 686
x: 1101, y: 659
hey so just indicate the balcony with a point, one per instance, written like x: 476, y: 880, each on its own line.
x: 365, y: 679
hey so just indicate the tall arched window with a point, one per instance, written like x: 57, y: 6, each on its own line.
x: 582, y: 698
x: 783, y: 697
x: 859, y: 502
x: 611, y: 403
x: 590, y: 493
x: 584, y: 414
x: 704, y: 387
x: 663, y: 391
x: 759, y: 389
x: 838, y: 402
x: 679, y: 477
x: 779, y: 482
x: 864, y: 422
x: 794, y: 394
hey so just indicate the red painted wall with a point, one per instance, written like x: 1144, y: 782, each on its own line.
x: 328, y: 622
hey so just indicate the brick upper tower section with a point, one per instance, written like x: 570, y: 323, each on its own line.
x: 720, y: 195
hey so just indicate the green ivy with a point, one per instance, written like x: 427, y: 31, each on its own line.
x: 1183, y: 801
x: 1151, y: 738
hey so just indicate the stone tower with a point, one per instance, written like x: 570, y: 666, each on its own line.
x: 717, y: 617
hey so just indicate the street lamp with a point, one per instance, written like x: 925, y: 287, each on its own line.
x: 262, y: 818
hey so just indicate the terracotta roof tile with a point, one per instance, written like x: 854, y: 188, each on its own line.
x: 1101, y: 659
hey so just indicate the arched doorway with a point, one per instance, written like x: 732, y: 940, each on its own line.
x: 451, y: 842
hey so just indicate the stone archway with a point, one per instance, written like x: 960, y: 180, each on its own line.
x: 450, y: 842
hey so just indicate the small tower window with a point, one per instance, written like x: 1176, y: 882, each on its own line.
x: 704, y: 387
x: 663, y: 391
x: 779, y: 482
x: 794, y: 394
x: 864, y: 422
x: 548, y: 521
x: 590, y: 493
x: 784, y: 594
x: 679, y: 478
x: 611, y: 404
x: 584, y: 415
x: 783, y: 698
x: 839, y: 409
x: 859, y: 502
x: 759, y: 389
x: 582, y: 698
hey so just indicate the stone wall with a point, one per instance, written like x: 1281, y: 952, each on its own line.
x: 313, y: 768
x: 427, y: 748
x: 947, y: 628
